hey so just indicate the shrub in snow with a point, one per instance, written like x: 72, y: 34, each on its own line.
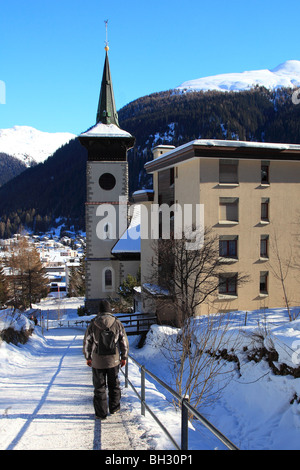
x: 15, y: 327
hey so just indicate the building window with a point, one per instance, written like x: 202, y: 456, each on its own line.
x: 229, y: 209
x: 107, y: 279
x: 172, y: 176
x: 228, y: 247
x: 265, y: 209
x: 263, y: 282
x: 107, y: 181
x: 228, y: 171
x: 228, y: 284
x: 166, y: 186
x: 265, y: 172
x: 264, y: 246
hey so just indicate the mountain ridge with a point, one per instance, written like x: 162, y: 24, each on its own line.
x: 30, y: 145
x: 57, y: 187
x: 285, y: 75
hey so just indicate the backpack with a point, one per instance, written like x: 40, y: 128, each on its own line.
x: 106, y: 342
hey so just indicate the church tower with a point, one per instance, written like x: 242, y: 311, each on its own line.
x: 107, y: 195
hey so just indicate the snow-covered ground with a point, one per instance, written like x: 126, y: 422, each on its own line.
x: 46, y: 389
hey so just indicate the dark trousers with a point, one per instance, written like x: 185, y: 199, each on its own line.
x: 102, y: 379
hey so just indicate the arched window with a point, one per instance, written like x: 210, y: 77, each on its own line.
x: 108, y: 279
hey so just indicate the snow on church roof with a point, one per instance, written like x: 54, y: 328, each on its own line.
x: 105, y: 130
x: 130, y: 242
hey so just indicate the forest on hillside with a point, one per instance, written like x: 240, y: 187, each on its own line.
x: 175, y: 118
x: 9, y: 167
x: 56, y: 189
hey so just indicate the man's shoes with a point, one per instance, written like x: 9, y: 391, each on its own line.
x: 102, y: 418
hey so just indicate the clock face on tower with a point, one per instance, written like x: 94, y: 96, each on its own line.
x: 107, y: 181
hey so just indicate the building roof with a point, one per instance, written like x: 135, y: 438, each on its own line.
x: 106, y: 112
x: 130, y: 241
x: 105, y: 130
x: 211, y: 148
x: 107, y: 122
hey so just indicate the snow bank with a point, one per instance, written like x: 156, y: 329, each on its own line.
x: 15, y: 320
x: 256, y: 410
x: 15, y: 327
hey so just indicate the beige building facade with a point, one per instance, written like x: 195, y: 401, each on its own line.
x: 250, y: 198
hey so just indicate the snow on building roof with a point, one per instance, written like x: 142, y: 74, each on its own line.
x: 105, y: 130
x: 234, y: 144
x: 181, y: 153
x: 130, y: 242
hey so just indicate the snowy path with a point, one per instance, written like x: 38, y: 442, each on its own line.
x: 46, y: 402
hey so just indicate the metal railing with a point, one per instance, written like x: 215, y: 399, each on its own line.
x: 186, y: 408
x: 134, y: 323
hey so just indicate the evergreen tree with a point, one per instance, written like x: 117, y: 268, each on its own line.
x: 126, y: 289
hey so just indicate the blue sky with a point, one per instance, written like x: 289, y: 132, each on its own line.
x: 52, y: 52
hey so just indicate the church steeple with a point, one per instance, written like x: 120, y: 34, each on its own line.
x: 105, y: 140
x: 106, y: 112
x: 106, y: 184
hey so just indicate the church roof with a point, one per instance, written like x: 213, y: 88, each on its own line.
x: 107, y: 121
x: 106, y: 112
x: 105, y: 130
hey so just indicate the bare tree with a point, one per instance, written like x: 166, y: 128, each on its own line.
x: 190, y: 277
x: 281, y: 265
x: 3, y: 287
x: 27, y: 281
x: 198, y: 356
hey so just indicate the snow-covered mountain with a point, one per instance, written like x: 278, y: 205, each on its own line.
x: 285, y: 75
x: 30, y: 145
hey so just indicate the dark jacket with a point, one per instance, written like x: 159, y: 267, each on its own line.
x: 105, y: 320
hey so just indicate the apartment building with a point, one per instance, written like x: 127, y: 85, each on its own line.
x: 250, y: 194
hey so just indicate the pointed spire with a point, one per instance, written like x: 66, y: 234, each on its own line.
x: 107, y: 113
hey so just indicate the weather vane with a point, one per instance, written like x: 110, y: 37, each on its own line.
x: 106, y: 41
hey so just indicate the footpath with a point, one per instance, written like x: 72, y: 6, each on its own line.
x: 46, y: 402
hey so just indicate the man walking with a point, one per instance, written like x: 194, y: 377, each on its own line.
x: 105, y: 359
